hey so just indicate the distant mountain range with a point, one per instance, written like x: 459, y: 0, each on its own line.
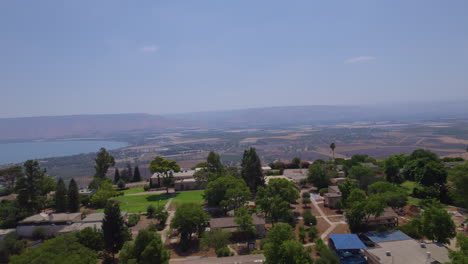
x: 55, y: 127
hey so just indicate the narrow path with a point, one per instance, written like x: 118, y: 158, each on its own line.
x: 325, y: 217
x: 164, y: 232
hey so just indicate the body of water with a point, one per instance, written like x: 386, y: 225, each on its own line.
x: 20, y: 152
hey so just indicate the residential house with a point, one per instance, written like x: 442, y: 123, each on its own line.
x: 183, y: 180
x: 388, y: 218
x: 333, y: 196
x: 229, y: 224
x: 52, y: 223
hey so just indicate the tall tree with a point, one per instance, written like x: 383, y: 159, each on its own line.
x: 129, y: 172
x: 318, y: 175
x: 214, y: 164
x: 460, y: 256
x: 216, y: 239
x: 252, y: 170
x: 363, y: 174
x: 392, y: 167
x: 296, y: 162
x: 189, y: 218
x: 10, y: 175
x: 147, y: 248
x: 73, y: 197
x: 116, y: 176
x: 228, y: 192
x: 459, y: 178
x: 136, y: 174
x: 60, y: 197
x: 332, y: 147
x: 244, y: 220
x: 103, y: 161
x: 165, y: 168
x: 29, y: 187
x: 437, y: 224
x: 114, y: 229
x: 274, y: 199
x: 275, y: 237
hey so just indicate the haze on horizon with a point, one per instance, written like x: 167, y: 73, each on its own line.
x: 90, y: 57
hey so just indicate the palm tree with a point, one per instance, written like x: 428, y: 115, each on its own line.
x: 333, y: 146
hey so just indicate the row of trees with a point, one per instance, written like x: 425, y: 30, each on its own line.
x: 67, y: 200
x: 127, y: 174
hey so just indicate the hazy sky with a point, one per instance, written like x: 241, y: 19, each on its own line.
x: 85, y: 57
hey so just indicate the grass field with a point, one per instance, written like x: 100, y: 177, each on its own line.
x: 188, y: 197
x: 139, y: 203
x: 409, y: 186
x: 133, y: 190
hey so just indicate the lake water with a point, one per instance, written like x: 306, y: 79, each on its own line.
x: 19, y: 152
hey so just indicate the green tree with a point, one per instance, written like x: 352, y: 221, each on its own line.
x: 393, y: 166
x: 363, y: 174
x: 309, y: 219
x: 437, y: 224
x: 10, y: 175
x: 189, y: 218
x: 129, y: 172
x: 432, y: 173
x: 57, y: 250
x: 244, y: 220
x: 103, y: 161
x: 114, y: 229
x: 91, y: 238
x: 460, y: 256
x: 274, y: 199
x: 346, y: 187
x: 12, y: 244
x: 60, y: 197
x: 293, y: 252
x: 214, y: 164
x: 332, y: 147
x: 165, y: 168
x: 116, y: 175
x: 296, y: 162
x: 29, y: 187
x: 136, y: 174
x: 252, y: 170
x: 227, y: 191
x: 147, y: 248
x: 423, y: 154
x: 216, y: 239
x: 73, y: 197
x: 318, y: 175
x: 274, y: 239
x: 459, y: 178
x: 104, y: 193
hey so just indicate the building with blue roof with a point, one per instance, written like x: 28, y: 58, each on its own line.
x: 348, y: 248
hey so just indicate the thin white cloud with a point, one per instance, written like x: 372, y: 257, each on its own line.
x: 149, y: 49
x: 359, y: 59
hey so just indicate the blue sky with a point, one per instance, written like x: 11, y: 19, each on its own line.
x: 92, y: 57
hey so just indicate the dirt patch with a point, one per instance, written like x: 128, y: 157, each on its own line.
x: 328, y: 211
x: 322, y: 226
x: 337, y: 218
x: 143, y: 223
x: 341, y: 229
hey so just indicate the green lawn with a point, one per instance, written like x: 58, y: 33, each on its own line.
x: 409, y: 186
x: 139, y: 203
x: 133, y: 190
x: 189, y: 197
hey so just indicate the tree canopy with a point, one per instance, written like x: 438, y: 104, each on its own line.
x: 228, y: 192
x: 274, y: 199
x: 32, y: 188
x: 56, y: 251
x: 165, y: 168
x: 189, y: 218
x: 103, y: 161
x: 318, y: 175
x: 252, y: 170
x: 147, y: 248
x: 114, y: 229
x: 459, y: 178
x: 61, y: 197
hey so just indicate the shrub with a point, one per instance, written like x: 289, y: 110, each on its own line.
x: 150, y: 210
x: 146, y: 187
x: 309, y: 219
x: 133, y: 220
x: 306, y: 201
x: 39, y: 233
x: 305, y: 195
x: 312, y: 233
x: 323, y: 191
x: 121, y: 184
x: 223, y: 252
x: 302, y: 234
x: 85, y: 200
